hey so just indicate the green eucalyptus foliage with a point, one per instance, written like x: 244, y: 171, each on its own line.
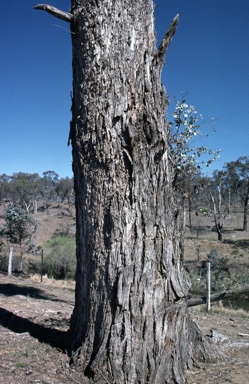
x: 185, y: 133
x: 19, y: 225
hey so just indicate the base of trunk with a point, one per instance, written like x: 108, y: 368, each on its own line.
x: 184, y: 345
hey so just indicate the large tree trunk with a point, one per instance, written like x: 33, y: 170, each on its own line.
x: 130, y: 320
x: 130, y: 323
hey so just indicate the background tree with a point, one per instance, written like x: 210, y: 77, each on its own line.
x: 216, y: 195
x: 130, y: 322
x: 64, y: 191
x: 238, y: 174
x: 25, y: 189
x: 50, y: 180
x: 18, y: 228
x: 192, y: 187
x: 187, y: 158
x: 4, y: 187
x: 185, y: 133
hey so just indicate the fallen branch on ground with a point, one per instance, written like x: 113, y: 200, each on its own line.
x: 229, y: 294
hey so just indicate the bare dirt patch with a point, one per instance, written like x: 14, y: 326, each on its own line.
x: 34, y: 320
x: 229, y: 329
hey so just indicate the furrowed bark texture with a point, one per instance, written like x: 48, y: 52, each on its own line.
x: 130, y: 323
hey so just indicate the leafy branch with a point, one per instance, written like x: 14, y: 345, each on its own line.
x: 185, y: 131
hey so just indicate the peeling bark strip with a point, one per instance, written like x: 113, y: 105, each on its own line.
x: 130, y: 322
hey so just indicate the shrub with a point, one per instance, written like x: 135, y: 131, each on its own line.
x: 60, y: 261
x: 204, y: 211
x: 18, y: 229
x: 220, y: 272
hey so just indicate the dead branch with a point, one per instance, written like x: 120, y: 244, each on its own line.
x: 66, y: 16
x: 162, y: 50
x: 231, y: 293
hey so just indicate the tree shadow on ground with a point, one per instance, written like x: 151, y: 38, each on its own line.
x: 197, y: 231
x: 241, y: 243
x: 17, y: 324
x: 35, y: 293
x: 232, y: 230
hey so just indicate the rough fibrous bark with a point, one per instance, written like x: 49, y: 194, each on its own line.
x: 130, y: 322
x: 131, y: 289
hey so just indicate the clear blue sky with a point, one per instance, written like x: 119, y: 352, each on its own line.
x: 208, y: 59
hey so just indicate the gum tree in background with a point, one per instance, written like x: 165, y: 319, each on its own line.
x: 18, y: 228
x: 187, y: 155
x: 130, y: 323
x: 238, y: 175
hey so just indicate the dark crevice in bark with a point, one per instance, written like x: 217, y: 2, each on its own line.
x: 148, y: 368
x: 143, y: 258
x: 147, y: 129
x: 159, y: 151
x: 97, y: 341
x: 128, y: 159
x: 144, y: 330
x: 115, y: 120
x: 129, y: 167
x: 108, y: 228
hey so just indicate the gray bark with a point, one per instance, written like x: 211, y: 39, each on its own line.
x: 130, y: 322
x: 131, y: 289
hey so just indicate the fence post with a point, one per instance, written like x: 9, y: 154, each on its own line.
x: 10, y: 262
x: 208, y: 281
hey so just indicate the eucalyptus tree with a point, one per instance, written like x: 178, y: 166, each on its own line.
x: 216, y: 195
x: 188, y: 154
x: 238, y: 174
x: 64, y: 190
x: 19, y: 227
x: 4, y: 187
x: 25, y: 189
x: 186, y: 136
x: 49, y: 181
x: 130, y: 323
